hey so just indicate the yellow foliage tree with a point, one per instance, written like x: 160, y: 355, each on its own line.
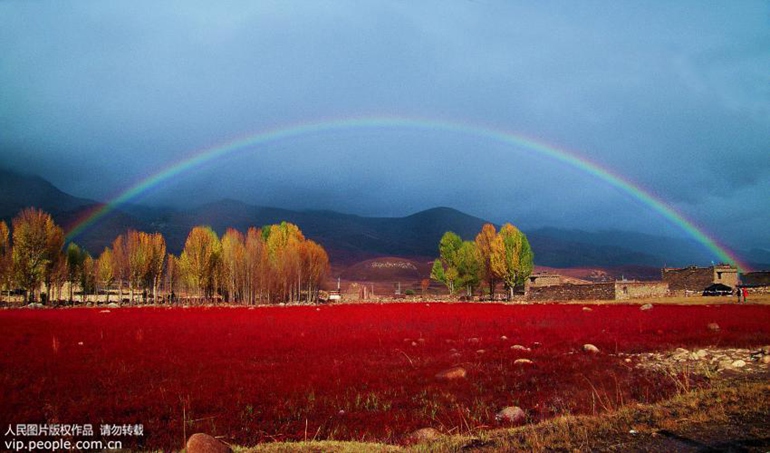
x: 37, y: 244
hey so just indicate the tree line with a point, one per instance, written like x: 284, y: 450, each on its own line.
x: 275, y: 263
x: 493, y: 258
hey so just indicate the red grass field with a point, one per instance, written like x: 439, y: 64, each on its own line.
x: 338, y: 372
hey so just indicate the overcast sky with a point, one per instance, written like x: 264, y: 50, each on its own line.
x: 672, y: 96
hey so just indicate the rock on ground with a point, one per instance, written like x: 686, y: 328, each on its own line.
x: 646, y: 307
x: 422, y: 435
x: 203, y: 443
x: 523, y: 362
x: 452, y: 374
x: 591, y: 349
x: 712, y: 326
x: 511, y: 414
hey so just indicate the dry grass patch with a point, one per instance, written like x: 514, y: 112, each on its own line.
x: 701, y: 414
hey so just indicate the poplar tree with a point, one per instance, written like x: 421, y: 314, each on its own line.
x: 200, y: 260
x: 512, y: 257
x: 105, y: 270
x: 233, y: 264
x: 445, y: 269
x: 485, y: 242
x: 156, y: 250
x: 37, y: 245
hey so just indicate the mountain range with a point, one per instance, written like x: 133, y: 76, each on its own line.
x: 350, y: 238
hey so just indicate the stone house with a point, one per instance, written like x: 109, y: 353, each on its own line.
x: 682, y: 281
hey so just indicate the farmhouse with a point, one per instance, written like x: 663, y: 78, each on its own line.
x: 682, y: 281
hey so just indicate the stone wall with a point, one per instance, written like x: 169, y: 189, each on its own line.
x: 543, y: 280
x: 688, y: 278
x: 594, y: 291
x: 640, y: 290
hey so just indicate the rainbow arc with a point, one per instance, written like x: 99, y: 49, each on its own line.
x: 199, y: 158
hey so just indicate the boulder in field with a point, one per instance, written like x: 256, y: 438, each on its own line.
x: 203, y: 443
x: 523, y: 362
x: 511, y: 414
x: 452, y: 374
x: 422, y: 435
x: 591, y: 349
x: 712, y: 326
x: 646, y: 307
x: 518, y: 347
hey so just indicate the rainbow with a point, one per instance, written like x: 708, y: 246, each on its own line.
x: 201, y: 157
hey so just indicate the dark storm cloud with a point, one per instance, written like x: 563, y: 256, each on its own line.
x: 675, y: 97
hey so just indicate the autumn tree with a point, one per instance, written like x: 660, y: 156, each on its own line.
x: 171, y: 275
x: 200, y: 259
x: 468, y: 267
x: 88, y: 276
x: 258, y: 272
x: 234, y: 265
x: 316, y: 264
x: 282, y: 242
x: 137, y: 261
x: 120, y: 260
x: 74, y: 258
x: 512, y: 259
x: 105, y: 270
x: 58, y: 277
x: 486, y: 244
x: 424, y: 285
x: 155, y: 246
x: 37, y: 244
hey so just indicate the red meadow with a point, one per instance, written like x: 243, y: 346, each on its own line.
x: 341, y: 372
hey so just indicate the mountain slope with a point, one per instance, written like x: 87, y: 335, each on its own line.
x: 18, y: 191
x: 348, y: 238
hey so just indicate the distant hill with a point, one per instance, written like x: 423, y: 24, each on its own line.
x: 349, y: 239
x: 18, y: 191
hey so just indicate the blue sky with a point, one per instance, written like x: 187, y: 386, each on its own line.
x: 672, y: 96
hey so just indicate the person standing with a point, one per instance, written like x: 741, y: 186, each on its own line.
x: 745, y: 293
x: 738, y: 293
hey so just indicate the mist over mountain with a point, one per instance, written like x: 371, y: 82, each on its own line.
x: 350, y: 238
